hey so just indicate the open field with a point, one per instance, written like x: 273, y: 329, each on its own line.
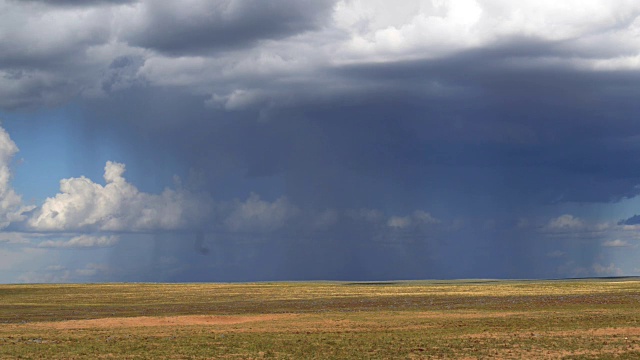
x: 406, y: 320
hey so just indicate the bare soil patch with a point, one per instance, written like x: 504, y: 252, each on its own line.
x: 150, y: 321
x: 468, y: 314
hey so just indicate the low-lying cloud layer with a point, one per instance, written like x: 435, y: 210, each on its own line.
x: 81, y: 241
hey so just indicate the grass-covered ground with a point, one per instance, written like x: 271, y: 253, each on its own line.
x: 406, y: 320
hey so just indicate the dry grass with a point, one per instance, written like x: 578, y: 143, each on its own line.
x: 408, y: 320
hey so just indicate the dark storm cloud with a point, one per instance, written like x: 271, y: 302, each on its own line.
x: 46, y: 55
x: 634, y: 220
x: 122, y: 73
x: 25, y: 89
x: 37, y: 40
x: 415, y: 132
x: 78, y: 3
x: 180, y: 28
x: 551, y: 130
x: 542, y: 135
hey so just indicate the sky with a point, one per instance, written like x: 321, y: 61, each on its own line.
x: 228, y: 140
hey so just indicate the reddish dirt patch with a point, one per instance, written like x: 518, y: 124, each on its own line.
x: 468, y: 315
x: 622, y: 331
x: 148, y: 321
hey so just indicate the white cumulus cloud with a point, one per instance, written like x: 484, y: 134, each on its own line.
x: 11, y: 207
x: 118, y: 206
x: 602, y: 270
x: 257, y: 215
x: 566, y: 222
x: 616, y: 243
x: 416, y: 219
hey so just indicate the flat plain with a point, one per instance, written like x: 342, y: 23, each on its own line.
x: 570, y: 319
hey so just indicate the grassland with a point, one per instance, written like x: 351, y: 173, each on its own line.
x: 405, y: 320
